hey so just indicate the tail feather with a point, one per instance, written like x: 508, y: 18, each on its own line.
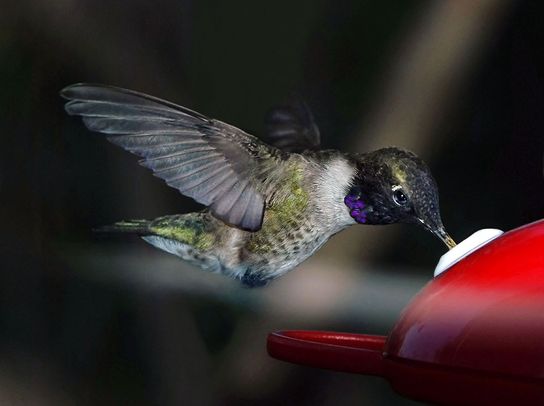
x: 140, y: 227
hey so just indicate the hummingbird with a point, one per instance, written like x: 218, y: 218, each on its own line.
x: 269, y: 205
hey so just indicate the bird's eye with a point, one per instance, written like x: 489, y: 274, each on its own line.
x: 399, y: 197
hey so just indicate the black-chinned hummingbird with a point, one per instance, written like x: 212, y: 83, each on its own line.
x: 270, y: 205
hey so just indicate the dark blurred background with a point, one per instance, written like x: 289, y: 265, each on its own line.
x: 90, y: 320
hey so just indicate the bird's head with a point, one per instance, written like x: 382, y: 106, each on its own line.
x: 395, y: 186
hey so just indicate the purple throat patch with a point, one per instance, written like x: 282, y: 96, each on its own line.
x: 356, y: 208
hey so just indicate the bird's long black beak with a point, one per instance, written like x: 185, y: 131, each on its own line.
x: 439, y: 231
x: 445, y: 237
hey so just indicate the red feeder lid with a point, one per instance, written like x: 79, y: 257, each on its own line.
x: 473, y: 335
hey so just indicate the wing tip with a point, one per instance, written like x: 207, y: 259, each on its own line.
x: 291, y: 126
x: 252, y: 218
x: 70, y: 92
x: 83, y: 91
x: 252, y: 225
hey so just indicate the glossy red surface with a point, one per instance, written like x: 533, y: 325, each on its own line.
x: 364, y: 354
x: 485, y: 313
x: 474, y: 335
x: 356, y: 353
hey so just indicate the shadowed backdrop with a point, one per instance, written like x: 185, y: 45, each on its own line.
x: 87, y: 319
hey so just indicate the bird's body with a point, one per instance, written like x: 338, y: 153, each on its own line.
x: 269, y: 207
x: 298, y: 221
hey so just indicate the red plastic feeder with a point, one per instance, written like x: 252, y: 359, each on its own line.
x: 474, y: 335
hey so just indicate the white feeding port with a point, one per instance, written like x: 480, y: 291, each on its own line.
x: 465, y: 248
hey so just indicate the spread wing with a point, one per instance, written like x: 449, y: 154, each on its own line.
x: 214, y: 163
x: 291, y: 127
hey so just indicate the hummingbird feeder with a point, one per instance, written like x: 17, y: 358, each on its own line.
x: 473, y: 335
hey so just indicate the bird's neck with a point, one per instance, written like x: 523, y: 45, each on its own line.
x: 331, y: 185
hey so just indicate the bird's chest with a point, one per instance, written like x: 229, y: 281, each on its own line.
x: 276, y: 249
x: 290, y: 231
x: 306, y: 211
x: 287, y: 228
